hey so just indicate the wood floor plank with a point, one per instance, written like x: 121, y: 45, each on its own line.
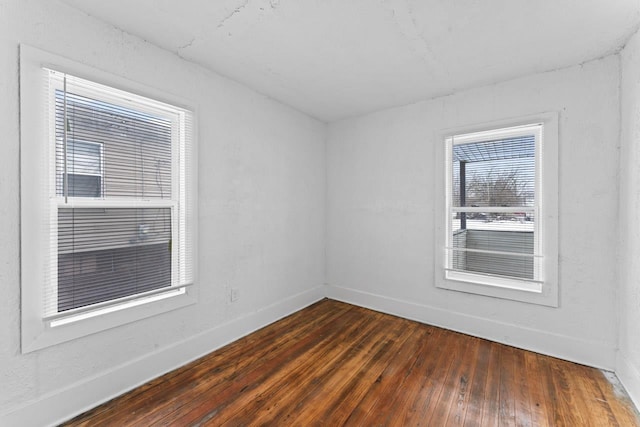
x: 507, y: 407
x: 537, y: 393
x: 490, y: 407
x: 337, y: 364
x: 460, y: 405
x: 454, y: 384
x: 524, y: 416
x: 473, y: 415
x: 569, y: 404
x: 556, y: 416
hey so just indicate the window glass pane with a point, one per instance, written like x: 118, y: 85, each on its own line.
x: 493, y: 173
x: 497, y: 173
x: 495, y: 243
x: 84, y: 185
x: 135, y: 147
x: 105, y: 254
x: 121, y: 149
x: 84, y: 169
x: 84, y: 158
x: 496, y: 221
x: 504, y: 265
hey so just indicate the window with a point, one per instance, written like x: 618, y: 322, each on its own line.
x: 494, y: 237
x: 84, y: 169
x: 110, y: 213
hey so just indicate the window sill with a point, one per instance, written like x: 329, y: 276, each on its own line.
x: 537, y: 293
x: 39, y: 333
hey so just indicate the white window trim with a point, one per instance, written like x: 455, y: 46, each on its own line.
x: 544, y: 293
x: 36, y: 167
x: 533, y: 285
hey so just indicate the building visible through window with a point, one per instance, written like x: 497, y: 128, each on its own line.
x: 117, y: 195
x: 84, y: 169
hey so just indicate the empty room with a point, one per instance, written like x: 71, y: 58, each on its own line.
x: 320, y: 212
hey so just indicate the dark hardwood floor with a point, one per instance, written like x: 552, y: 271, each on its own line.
x: 334, y: 364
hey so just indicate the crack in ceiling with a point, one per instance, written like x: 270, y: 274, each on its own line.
x: 406, y: 22
x: 235, y: 11
x: 334, y: 59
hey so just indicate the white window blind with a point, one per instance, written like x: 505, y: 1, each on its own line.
x: 119, y: 204
x: 493, y: 185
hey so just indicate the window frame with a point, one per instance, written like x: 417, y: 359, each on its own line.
x: 40, y: 329
x: 543, y: 289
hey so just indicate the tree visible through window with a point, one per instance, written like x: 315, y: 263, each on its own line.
x: 492, y: 205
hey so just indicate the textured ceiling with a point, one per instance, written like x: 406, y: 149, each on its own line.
x: 338, y: 58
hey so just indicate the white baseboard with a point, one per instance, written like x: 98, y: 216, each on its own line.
x: 591, y: 353
x: 64, y: 404
x: 629, y: 376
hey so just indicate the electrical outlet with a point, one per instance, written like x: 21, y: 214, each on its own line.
x: 234, y: 294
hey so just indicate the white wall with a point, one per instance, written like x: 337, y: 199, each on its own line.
x: 262, y: 217
x: 261, y: 220
x: 628, y: 363
x: 380, y: 215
